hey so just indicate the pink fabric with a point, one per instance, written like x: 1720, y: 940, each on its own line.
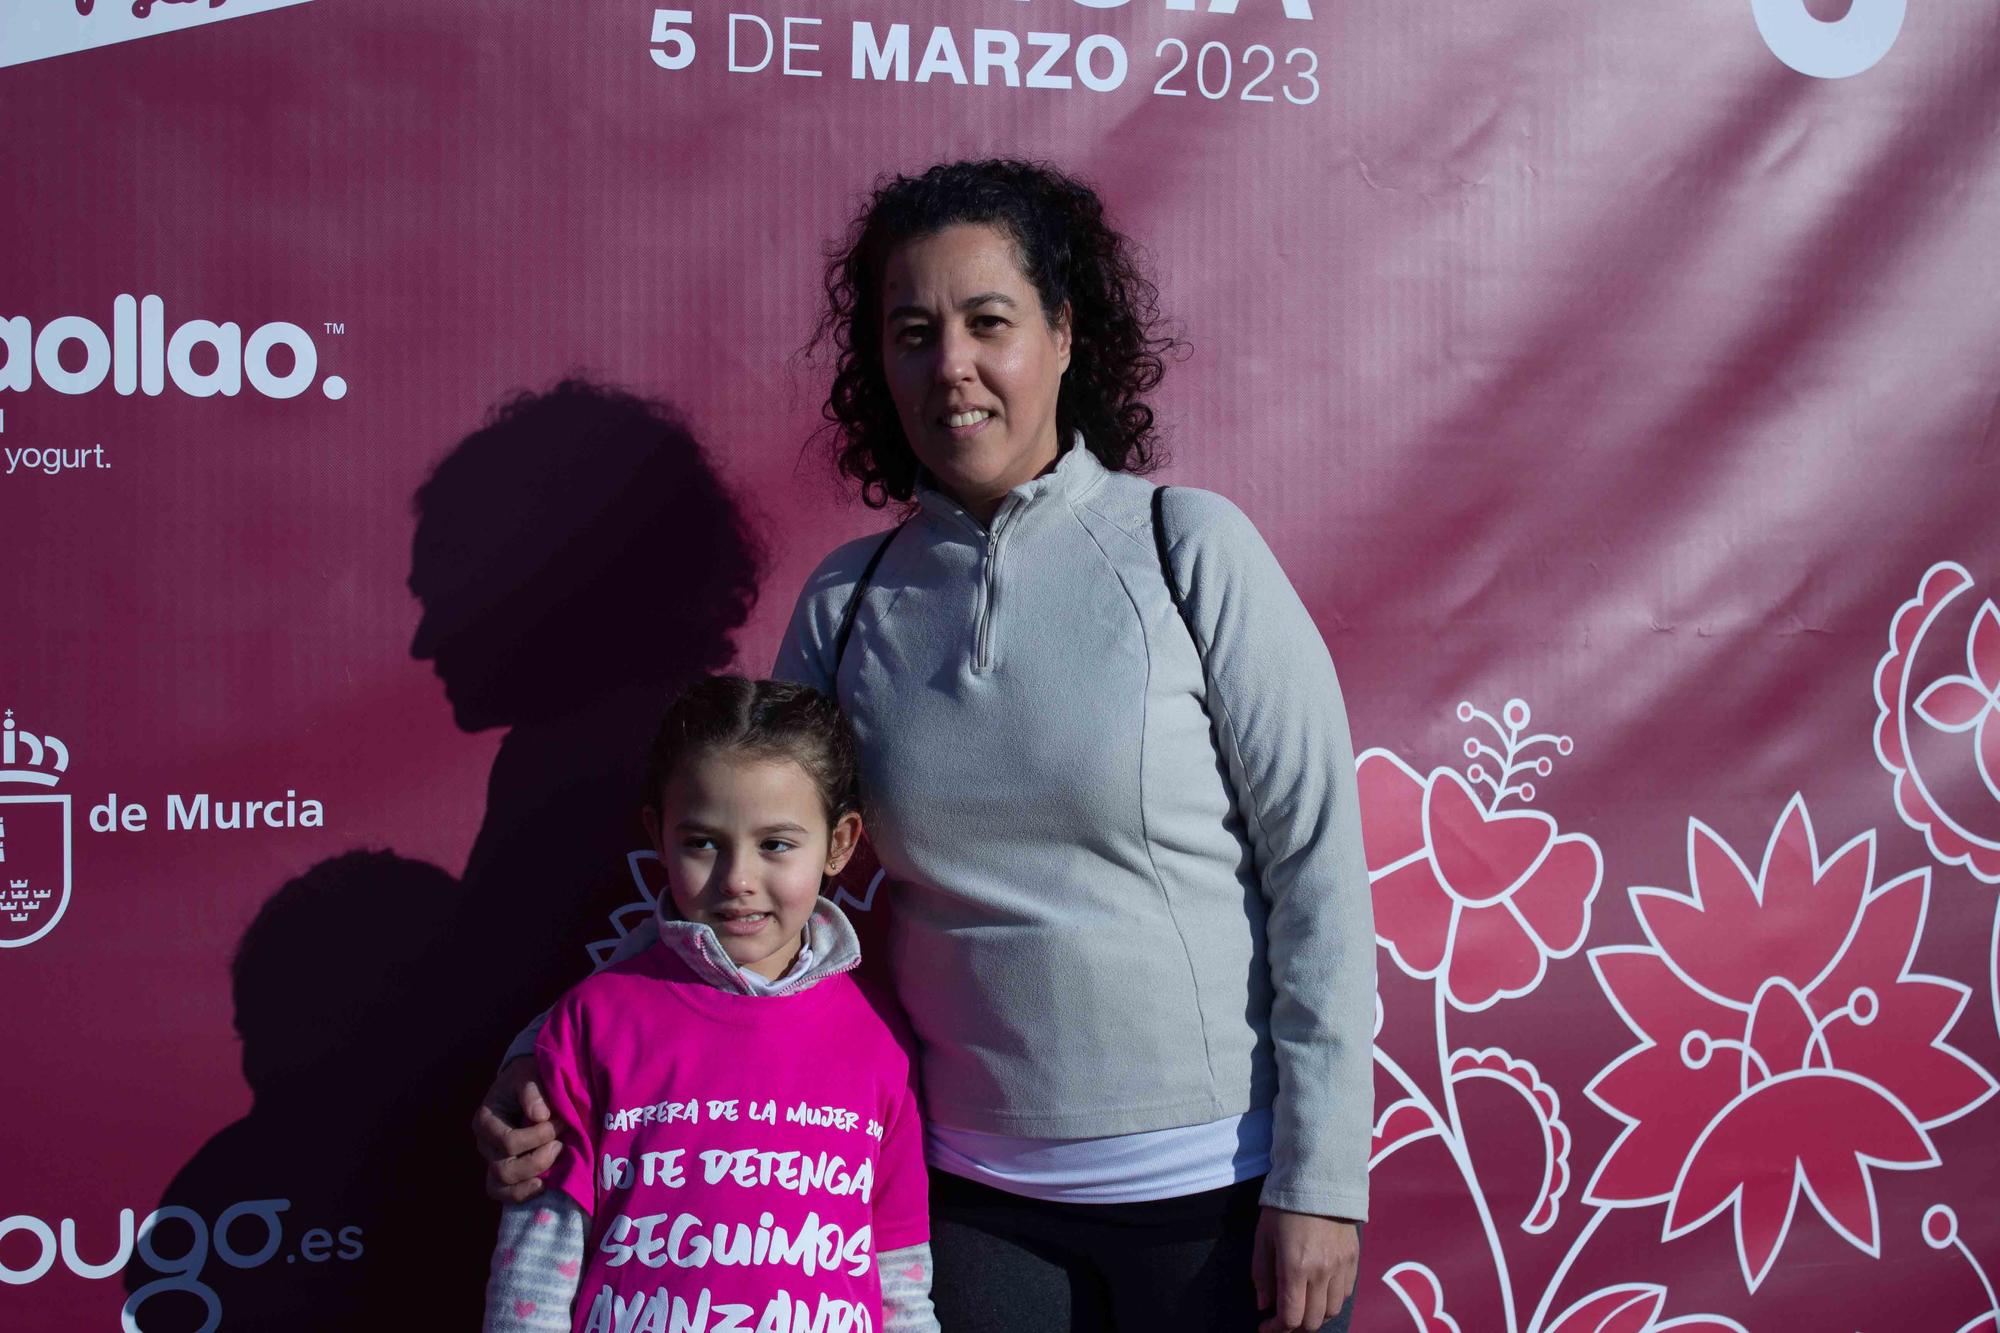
x: 733, y: 1150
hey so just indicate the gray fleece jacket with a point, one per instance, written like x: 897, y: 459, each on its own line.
x: 1079, y: 933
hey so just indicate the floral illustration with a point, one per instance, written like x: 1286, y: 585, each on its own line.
x: 1634, y: 1308
x: 1971, y: 702
x: 1786, y: 1048
x: 1417, y: 1288
x: 1477, y: 897
x: 1483, y: 895
x: 1951, y: 704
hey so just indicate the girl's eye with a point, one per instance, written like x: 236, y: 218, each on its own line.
x: 696, y: 843
x: 778, y: 845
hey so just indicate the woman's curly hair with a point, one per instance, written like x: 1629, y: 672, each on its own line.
x: 1066, y: 249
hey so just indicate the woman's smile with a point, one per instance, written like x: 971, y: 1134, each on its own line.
x: 964, y: 425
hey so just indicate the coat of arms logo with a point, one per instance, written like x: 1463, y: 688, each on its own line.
x: 34, y: 835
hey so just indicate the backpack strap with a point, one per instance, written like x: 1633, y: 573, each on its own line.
x: 1174, y: 584
x: 854, y: 601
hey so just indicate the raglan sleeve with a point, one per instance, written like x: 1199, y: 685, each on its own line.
x: 1282, y: 727
x: 807, y: 654
x: 800, y: 656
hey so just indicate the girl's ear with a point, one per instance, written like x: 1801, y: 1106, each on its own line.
x: 650, y: 816
x: 840, y: 847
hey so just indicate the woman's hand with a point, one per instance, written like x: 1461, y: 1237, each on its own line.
x: 1303, y: 1267
x: 516, y: 1133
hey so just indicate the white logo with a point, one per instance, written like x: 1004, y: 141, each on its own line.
x: 181, y: 1271
x: 38, y: 29
x: 34, y: 836
x: 140, y: 357
x: 1836, y: 50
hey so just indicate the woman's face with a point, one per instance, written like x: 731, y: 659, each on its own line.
x: 972, y: 362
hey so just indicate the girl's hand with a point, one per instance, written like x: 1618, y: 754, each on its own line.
x: 1303, y: 1267
x: 516, y: 1133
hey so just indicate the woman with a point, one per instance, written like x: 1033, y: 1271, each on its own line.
x: 1111, y: 776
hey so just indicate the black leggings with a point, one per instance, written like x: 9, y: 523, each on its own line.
x: 1009, y: 1264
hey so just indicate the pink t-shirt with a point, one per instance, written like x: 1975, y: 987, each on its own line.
x: 737, y: 1154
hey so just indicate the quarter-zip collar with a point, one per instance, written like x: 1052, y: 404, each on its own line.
x: 1076, y: 471
x: 829, y: 935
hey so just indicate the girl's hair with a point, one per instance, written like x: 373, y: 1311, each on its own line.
x: 1068, y: 251
x: 765, y: 718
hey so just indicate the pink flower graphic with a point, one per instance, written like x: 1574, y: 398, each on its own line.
x: 1634, y: 1308
x: 1481, y: 895
x: 1952, y: 704
x: 1785, y: 1045
x: 1417, y: 1288
x: 1496, y: 1065
x: 1972, y: 702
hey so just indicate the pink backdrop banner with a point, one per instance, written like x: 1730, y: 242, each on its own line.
x: 1617, y: 384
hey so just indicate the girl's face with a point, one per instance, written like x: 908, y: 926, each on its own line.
x: 744, y: 840
x: 972, y: 362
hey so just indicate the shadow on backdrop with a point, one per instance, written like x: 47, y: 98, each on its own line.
x: 577, y: 560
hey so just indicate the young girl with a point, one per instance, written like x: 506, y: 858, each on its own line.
x: 743, y: 1149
